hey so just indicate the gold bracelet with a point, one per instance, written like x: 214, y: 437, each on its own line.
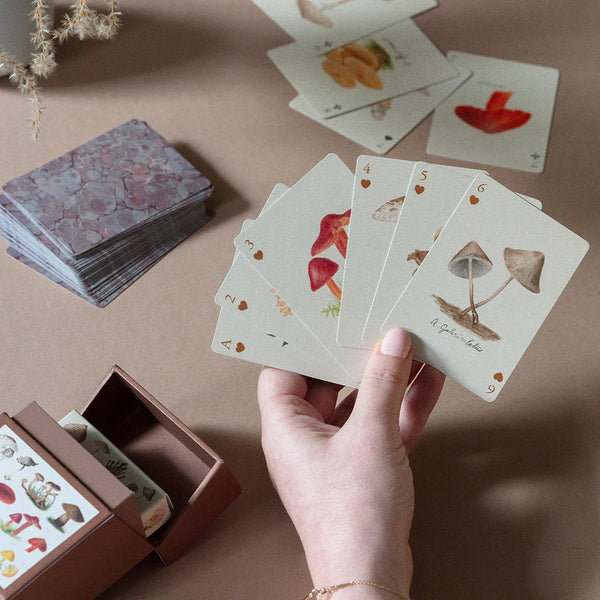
x: 326, y: 592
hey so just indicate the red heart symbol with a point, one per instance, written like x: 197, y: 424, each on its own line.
x: 365, y: 183
x: 258, y: 255
x: 419, y: 189
x: 473, y: 199
x: 243, y: 305
x: 498, y: 377
x: 240, y: 347
x: 495, y: 118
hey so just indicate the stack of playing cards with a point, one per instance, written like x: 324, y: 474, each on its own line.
x: 468, y: 267
x: 366, y: 71
x: 98, y: 217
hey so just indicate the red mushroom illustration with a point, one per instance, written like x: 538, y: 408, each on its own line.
x: 332, y: 232
x: 29, y: 521
x: 494, y: 118
x: 321, y: 272
x: 36, y: 544
x: 6, y: 494
x: 14, y: 518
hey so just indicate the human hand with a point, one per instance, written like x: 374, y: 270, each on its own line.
x: 342, y: 472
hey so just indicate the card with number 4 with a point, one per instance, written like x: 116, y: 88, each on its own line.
x: 489, y: 281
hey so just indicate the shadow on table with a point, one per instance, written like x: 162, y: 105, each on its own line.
x: 225, y: 201
x: 505, y: 511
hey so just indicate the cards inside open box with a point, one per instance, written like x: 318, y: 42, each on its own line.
x: 68, y: 514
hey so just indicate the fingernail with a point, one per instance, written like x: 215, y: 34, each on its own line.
x: 397, y: 343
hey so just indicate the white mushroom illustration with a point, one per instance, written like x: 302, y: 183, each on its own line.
x: 315, y: 13
x: 8, y: 447
x: 24, y: 461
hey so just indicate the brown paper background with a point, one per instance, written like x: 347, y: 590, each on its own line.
x: 507, y: 493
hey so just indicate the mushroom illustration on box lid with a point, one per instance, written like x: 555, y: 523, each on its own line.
x: 72, y: 513
x: 471, y: 262
x: 14, y: 518
x: 6, y: 494
x: 332, y: 232
x: 36, y: 544
x: 8, y: 555
x: 29, y: 521
x: 24, y: 461
x: 8, y: 446
x: 321, y: 272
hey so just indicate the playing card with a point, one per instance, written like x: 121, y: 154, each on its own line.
x: 488, y: 283
x: 432, y: 194
x: 238, y: 338
x: 380, y: 185
x: 381, y: 126
x: 247, y: 294
x: 319, y: 26
x: 388, y: 63
x: 299, y: 248
x: 501, y: 116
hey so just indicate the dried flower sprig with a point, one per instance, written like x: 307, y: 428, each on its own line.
x: 85, y: 23
x: 27, y: 83
x: 80, y: 21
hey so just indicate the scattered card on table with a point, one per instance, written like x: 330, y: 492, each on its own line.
x: 388, y: 63
x: 381, y: 126
x: 319, y: 25
x: 485, y: 288
x: 501, y: 116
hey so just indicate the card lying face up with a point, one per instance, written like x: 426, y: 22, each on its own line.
x: 386, y: 64
x: 486, y: 286
x: 319, y: 26
x: 501, y: 116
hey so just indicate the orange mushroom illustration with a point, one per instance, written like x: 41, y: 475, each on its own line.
x: 494, y: 118
x: 8, y: 555
x: 524, y: 266
x: 36, y: 544
x: 332, y: 232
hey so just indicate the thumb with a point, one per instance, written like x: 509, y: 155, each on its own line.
x: 384, y: 381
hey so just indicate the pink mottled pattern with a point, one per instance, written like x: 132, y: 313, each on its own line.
x: 112, y: 184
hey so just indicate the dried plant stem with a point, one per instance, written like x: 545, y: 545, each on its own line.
x: 27, y: 83
x: 79, y: 21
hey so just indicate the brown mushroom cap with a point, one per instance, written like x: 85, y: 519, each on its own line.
x: 472, y: 252
x: 73, y: 512
x: 525, y: 266
x: 6, y: 494
x: 78, y: 431
x: 320, y: 271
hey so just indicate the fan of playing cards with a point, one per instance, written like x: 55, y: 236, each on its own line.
x: 468, y: 267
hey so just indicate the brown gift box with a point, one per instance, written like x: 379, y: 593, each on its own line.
x: 197, y: 480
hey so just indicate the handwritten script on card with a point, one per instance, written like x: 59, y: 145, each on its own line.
x: 444, y: 328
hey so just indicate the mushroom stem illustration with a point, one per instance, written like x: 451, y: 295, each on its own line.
x: 72, y: 513
x: 29, y: 521
x: 36, y: 544
x: 524, y: 266
x: 14, y: 518
x: 24, y: 461
x: 470, y: 263
x: 321, y: 272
